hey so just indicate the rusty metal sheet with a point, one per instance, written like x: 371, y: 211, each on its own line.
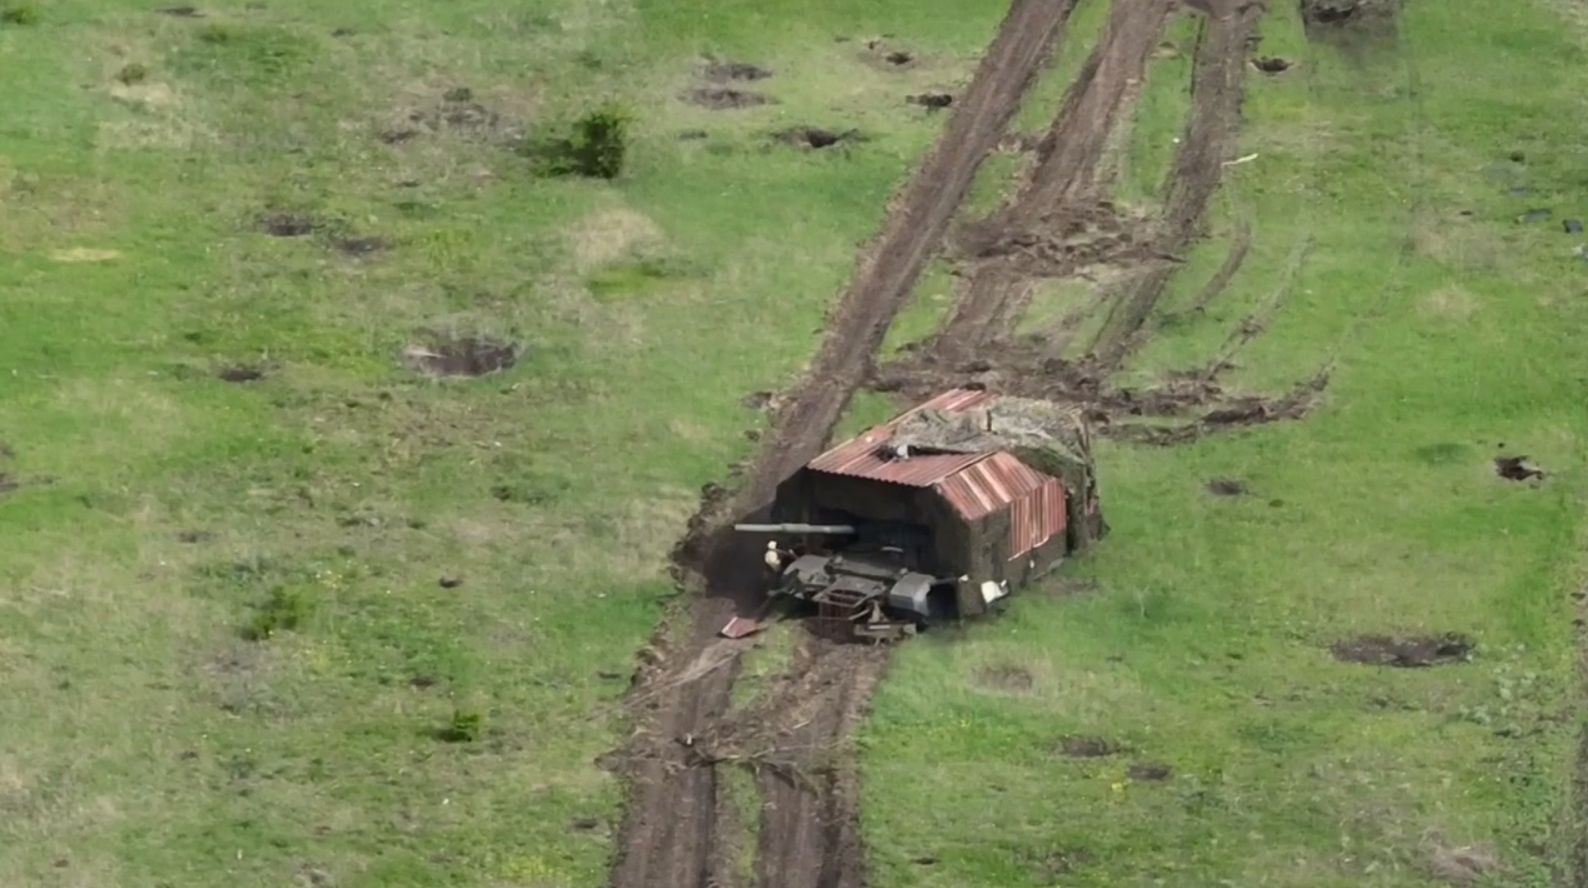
x: 741, y: 627
x: 978, y: 490
x: 858, y: 457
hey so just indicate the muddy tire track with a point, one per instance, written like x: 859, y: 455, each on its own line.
x: 1218, y: 89
x: 678, y: 831
x: 1064, y: 186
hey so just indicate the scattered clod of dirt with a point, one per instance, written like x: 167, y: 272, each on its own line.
x: 722, y: 72
x: 719, y: 98
x: 585, y: 824
x: 757, y: 401
x: 1271, y: 64
x: 469, y: 356
x: 287, y: 225
x: 1149, y: 772
x: 1405, y: 653
x: 342, y: 32
x: 898, y: 57
x: 420, y: 682
x: 240, y: 373
x: 182, y: 12
x: 397, y: 136
x: 1462, y: 867
x: 1088, y: 747
x: 1516, y: 468
x: 450, y: 582
x: 1005, y: 678
x: 925, y: 860
x: 931, y: 101
x: 361, y: 246
x: 194, y: 536
x: 813, y: 137
x: 1227, y: 487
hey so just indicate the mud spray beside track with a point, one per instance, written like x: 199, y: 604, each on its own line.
x: 681, y: 830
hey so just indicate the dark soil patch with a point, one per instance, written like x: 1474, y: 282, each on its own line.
x: 1227, y: 487
x: 468, y: 357
x: 397, y: 136
x: 1405, y: 653
x: 1351, y: 23
x: 1271, y: 64
x: 449, y: 582
x: 723, y: 72
x: 240, y: 373
x: 693, y: 135
x: 884, y: 54
x: 931, y: 101
x: 1005, y: 678
x: 1088, y: 747
x: 718, y: 98
x: 815, y: 137
x: 585, y: 824
x: 1516, y: 468
x: 181, y: 12
x: 458, y: 112
x: 756, y: 401
x: 194, y: 536
x: 287, y: 225
x: 420, y: 682
x: 8, y: 484
x: 1149, y: 772
x: 361, y: 246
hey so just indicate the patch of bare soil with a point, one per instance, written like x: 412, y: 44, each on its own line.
x: 930, y: 101
x: 1351, y: 23
x: 1149, y: 772
x: 1227, y: 487
x: 458, y: 112
x: 815, y: 137
x: 678, y: 830
x: 1057, y: 221
x: 722, y: 98
x: 361, y: 246
x: 240, y: 373
x: 884, y: 53
x: 466, y: 357
x: 181, y: 12
x: 287, y: 225
x: 1517, y: 468
x: 1272, y: 64
x: 1089, y: 747
x: 1405, y: 653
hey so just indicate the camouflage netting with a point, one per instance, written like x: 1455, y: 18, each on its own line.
x: 1051, y: 438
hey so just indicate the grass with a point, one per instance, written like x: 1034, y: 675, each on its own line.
x: 232, y: 656
x: 1205, y: 646
x: 230, y: 650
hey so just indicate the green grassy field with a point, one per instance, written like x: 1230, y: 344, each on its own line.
x: 143, y: 740
x: 146, y: 741
x: 1204, y: 645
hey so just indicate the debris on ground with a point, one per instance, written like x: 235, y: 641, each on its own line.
x: 1405, y: 653
x: 1516, y: 468
x: 468, y: 357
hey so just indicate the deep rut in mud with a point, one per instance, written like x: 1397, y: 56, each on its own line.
x: 978, y: 347
x: 679, y: 831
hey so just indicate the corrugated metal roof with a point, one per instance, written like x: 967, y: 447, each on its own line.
x: 858, y: 457
x: 975, y: 484
x: 978, y: 490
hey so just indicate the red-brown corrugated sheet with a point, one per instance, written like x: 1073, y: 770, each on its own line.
x: 975, y: 484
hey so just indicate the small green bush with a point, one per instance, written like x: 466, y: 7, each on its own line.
x: 464, y: 727
x: 21, y: 13
x: 596, y: 148
x: 283, y: 610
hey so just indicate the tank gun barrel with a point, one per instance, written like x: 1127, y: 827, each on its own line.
x: 795, y: 528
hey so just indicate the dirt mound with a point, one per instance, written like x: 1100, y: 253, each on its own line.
x: 1516, y: 468
x: 815, y: 137
x: 466, y: 357
x: 1351, y: 23
x: 680, y: 827
x: 1405, y: 653
x: 721, y: 98
x: 1058, y: 243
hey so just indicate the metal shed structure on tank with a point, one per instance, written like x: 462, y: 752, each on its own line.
x: 992, y: 490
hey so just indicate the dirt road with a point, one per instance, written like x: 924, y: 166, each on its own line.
x: 680, y: 829
x: 1062, y: 203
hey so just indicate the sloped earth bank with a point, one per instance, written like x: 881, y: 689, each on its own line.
x: 680, y: 829
x: 977, y: 347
